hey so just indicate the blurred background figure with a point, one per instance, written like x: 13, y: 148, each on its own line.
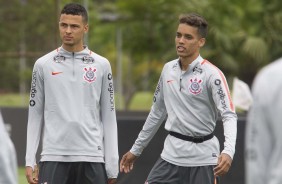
x: 8, y: 160
x: 264, y: 124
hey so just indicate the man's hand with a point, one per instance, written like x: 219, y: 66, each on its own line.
x: 32, y: 175
x: 127, y: 161
x: 223, y: 164
x: 112, y: 181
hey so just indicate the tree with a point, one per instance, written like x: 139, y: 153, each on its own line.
x: 244, y: 35
x: 148, y: 37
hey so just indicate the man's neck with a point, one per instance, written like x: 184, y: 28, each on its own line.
x: 70, y: 48
x: 185, y: 62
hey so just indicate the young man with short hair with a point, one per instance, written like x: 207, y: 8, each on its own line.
x: 190, y: 92
x: 72, y: 102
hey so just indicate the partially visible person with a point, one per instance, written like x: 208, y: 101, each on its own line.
x: 8, y: 158
x: 72, y: 106
x: 263, y: 156
x: 191, y: 92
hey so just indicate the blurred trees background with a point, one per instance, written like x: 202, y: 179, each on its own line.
x: 137, y: 36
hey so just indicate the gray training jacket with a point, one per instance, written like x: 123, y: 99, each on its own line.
x: 72, y: 100
x: 191, y: 100
x: 264, y: 124
x: 8, y: 157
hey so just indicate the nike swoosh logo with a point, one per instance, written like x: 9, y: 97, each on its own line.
x: 56, y: 73
x: 169, y: 81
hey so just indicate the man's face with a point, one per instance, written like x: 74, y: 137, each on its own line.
x: 188, y: 42
x: 72, y: 29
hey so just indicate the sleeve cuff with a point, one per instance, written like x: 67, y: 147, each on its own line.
x: 231, y: 154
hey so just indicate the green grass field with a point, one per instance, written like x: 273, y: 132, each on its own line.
x: 140, y: 101
x: 14, y: 100
x: 22, y: 179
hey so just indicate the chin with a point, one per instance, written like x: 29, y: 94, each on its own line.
x: 68, y: 44
x: 182, y: 55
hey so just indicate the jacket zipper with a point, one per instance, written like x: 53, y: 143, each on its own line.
x: 73, y: 65
x: 180, y: 87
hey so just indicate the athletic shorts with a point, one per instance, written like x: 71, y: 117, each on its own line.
x: 72, y: 173
x: 164, y: 172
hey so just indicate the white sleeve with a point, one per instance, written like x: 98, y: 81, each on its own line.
x: 259, y: 139
x: 35, y: 115
x: 108, y: 118
x: 154, y: 120
x: 8, y: 158
x: 224, y: 104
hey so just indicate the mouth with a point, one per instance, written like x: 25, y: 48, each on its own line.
x: 68, y: 38
x: 180, y: 48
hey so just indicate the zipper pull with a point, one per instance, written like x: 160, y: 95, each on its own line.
x: 180, y: 83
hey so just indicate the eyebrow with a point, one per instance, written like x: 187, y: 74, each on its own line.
x: 69, y: 24
x: 184, y: 34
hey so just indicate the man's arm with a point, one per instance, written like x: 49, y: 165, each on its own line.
x: 224, y: 104
x: 152, y: 124
x: 35, y: 119
x: 108, y: 117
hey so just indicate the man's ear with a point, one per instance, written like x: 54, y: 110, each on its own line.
x: 202, y: 42
x: 86, y: 27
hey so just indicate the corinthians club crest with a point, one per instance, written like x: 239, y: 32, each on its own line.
x: 89, y: 74
x: 195, y: 86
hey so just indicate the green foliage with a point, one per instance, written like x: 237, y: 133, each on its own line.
x: 9, y: 75
x: 9, y: 21
x: 152, y: 27
x: 244, y: 35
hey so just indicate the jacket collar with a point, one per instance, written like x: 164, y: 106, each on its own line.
x: 80, y: 54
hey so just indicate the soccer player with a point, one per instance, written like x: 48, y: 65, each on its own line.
x: 191, y: 92
x: 72, y: 103
x: 263, y: 157
x: 8, y: 158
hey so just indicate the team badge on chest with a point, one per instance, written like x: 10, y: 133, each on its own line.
x: 195, y: 86
x: 89, y: 74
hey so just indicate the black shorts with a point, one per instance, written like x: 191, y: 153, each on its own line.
x: 164, y: 172
x: 72, y: 173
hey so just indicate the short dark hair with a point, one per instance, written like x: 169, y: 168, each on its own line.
x: 75, y: 9
x: 195, y: 20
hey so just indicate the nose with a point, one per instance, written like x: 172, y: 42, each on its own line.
x: 181, y: 39
x: 68, y: 29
